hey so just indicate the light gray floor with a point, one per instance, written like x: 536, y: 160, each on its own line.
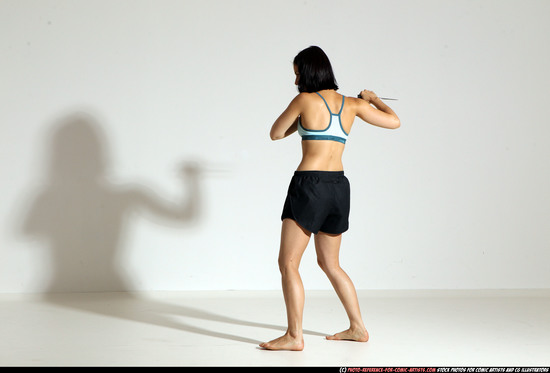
x: 407, y: 328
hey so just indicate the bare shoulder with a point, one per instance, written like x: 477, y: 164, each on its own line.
x: 354, y: 102
x: 305, y: 96
x: 302, y: 100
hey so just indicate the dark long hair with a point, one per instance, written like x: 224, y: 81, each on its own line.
x: 315, y: 70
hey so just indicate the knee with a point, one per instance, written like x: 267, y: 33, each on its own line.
x: 328, y: 266
x: 286, y: 266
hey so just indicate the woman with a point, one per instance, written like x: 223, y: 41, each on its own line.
x: 318, y: 196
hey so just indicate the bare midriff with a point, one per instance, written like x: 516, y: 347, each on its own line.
x: 321, y: 155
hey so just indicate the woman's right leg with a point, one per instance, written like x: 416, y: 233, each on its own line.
x: 294, y: 240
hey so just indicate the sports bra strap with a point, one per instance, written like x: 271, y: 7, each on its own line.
x: 328, y: 108
x: 342, y: 107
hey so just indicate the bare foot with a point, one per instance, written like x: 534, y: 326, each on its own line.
x: 286, y: 342
x: 358, y: 335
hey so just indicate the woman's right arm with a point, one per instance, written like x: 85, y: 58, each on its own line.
x: 381, y: 115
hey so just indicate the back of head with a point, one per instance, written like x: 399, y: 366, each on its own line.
x: 315, y: 70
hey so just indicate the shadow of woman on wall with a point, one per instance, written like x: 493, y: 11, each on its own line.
x: 81, y: 216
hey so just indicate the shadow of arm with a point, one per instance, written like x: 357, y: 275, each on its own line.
x: 185, y: 211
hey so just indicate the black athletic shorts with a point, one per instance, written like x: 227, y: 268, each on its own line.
x: 319, y: 201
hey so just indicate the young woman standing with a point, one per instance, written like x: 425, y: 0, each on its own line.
x: 318, y: 198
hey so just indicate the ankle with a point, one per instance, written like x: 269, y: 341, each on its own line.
x: 295, y: 333
x: 357, y: 327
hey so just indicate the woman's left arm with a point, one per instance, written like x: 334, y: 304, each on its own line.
x: 287, y: 123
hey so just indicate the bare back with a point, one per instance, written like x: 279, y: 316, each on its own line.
x: 324, y: 155
x: 307, y: 113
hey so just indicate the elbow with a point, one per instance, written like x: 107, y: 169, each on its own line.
x: 274, y: 136
x: 396, y: 124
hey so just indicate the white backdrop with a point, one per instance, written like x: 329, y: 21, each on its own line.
x: 104, y: 101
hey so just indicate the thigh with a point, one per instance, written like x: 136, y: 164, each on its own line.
x: 294, y: 240
x: 327, y: 247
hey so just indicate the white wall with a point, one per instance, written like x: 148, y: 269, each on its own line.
x: 455, y: 198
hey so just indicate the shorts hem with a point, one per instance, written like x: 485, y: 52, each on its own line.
x: 300, y: 224
x: 337, y: 233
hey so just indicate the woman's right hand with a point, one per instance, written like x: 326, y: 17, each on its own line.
x: 380, y: 115
x: 367, y: 95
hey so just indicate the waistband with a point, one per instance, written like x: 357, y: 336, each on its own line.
x: 323, y: 175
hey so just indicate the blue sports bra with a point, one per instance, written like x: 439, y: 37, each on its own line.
x: 334, y: 133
